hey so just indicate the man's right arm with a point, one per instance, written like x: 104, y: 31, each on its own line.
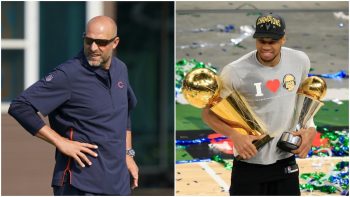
x: 243, y: 143
x: 27, y: 116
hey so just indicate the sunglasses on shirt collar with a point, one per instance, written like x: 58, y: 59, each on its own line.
x: 99, y: 42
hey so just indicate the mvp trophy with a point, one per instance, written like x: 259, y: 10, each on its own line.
x: 201, y: 88
x: 311, y: 91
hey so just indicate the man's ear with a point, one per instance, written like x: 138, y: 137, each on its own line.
x: 115, y: 42
x: 283, y: 39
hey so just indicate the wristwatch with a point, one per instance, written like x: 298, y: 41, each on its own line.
x: 130, y: 152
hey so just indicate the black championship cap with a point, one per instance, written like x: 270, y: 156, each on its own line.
x: 269, y: 26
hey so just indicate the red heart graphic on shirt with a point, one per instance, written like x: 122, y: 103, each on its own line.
x: 273, y: 85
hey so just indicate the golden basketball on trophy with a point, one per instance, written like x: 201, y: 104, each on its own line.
x: 201, y: 88
x: 310, y: 92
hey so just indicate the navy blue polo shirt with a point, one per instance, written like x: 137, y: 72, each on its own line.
x: 91, y: 105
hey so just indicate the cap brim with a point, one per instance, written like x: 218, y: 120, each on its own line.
x: 273, y: 36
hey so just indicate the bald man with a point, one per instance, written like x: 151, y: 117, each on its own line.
x: 88, y: 100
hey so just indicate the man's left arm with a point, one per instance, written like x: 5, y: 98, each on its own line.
x: 130, y: 162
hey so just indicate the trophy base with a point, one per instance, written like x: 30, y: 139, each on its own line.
x: 258, y: 144
x: 289, y: 142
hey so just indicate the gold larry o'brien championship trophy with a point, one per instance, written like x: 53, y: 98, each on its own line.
x: 201, y: 88
x: 309, y: 94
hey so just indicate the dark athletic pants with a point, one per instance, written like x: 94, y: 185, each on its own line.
x: 280, y: 178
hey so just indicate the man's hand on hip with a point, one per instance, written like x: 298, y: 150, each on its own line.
x: 77, y: 150
x: 74, y: 149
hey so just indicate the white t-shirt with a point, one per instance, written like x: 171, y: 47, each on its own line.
x: 270, y: 92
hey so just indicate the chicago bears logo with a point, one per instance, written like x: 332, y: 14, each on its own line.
x: 120, y: 84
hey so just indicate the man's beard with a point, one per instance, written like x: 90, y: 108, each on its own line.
x: 94, y: 64
x: 99, y: 63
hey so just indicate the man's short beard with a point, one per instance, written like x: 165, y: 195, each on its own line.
x: 101, y: 63
x: 95, y: 65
